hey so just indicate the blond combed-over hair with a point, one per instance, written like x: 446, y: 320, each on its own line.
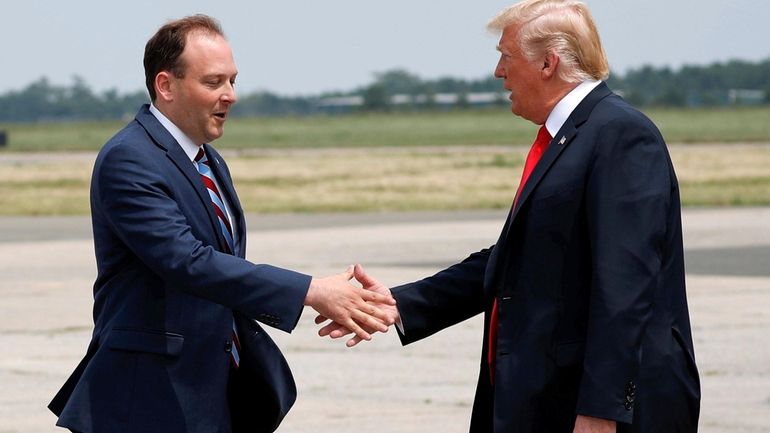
x: 563, y: 26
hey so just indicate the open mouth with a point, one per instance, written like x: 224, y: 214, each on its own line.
x: 221, y: 116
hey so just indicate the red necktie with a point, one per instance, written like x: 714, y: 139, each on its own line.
x: 202, y: 164
x: 535, y: 152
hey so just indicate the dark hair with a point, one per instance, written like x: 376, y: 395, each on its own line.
x: 164, y: 49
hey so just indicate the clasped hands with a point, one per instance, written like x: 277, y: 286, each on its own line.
x: 352, y: 310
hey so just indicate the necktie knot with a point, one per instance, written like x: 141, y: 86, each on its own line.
x: 201, y: 156
x: 543, y: 137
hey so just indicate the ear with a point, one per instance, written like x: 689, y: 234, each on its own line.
x: 163, y: 86
x: 550, y: 65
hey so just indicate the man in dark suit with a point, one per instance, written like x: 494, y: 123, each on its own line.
x: 586, y: 318
x: 176, y: 347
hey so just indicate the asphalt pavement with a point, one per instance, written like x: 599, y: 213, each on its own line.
x: 47, y: 270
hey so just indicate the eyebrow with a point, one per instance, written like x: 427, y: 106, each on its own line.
x: 218, y: 75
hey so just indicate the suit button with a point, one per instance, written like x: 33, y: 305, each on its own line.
x: 228, y: 346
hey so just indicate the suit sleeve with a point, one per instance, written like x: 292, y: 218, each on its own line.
x: 442, y: 300
x: 138, y: 205
x: 627, y: 197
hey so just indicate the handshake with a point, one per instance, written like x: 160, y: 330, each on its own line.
x: 351, y: 310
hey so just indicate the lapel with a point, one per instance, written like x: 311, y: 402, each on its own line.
x: 561, y: 140
x: 174, y: 152
x: 218, y: 168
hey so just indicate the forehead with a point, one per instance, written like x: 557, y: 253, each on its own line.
x: 509, y: 40
x: 199, y: 42
x: 207, y: 50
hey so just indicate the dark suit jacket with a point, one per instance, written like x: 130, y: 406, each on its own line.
x: 588, y: 273
x: 164, y: 300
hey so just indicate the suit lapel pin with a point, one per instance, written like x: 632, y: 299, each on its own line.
x: 563, y: 139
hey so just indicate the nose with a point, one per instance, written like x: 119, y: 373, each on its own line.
x: 229, y: 96
x: 499, y: 69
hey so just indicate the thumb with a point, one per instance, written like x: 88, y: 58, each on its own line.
x: 363, y: 277
x: 349, y: 272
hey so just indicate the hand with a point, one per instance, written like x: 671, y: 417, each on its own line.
x: 336, y: 330
x: 350, y: 306
x: 587, y: 424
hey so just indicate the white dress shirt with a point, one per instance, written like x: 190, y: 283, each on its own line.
x: 191, y: 150
x: 567, y: 105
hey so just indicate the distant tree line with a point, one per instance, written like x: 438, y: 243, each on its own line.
x: 720, y: 84
x: 733, y: 83
x: 43, y: 101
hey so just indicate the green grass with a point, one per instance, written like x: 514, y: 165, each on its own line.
x: 59, y: 136
x: 387, y: 162
x: 718, y: 125
x: 475, y: 127
x: 380, y: 130
x: 746, y: 191
x: 383, y: 179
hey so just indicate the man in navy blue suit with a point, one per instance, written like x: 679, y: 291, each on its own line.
x: 176, y: 346
x: 586, y: 322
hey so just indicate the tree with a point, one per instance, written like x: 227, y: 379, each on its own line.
x: 376, y: 98
x: 398, y: 81
x: 462, y: 100
x: 691, y: 85
x: 767, y: 94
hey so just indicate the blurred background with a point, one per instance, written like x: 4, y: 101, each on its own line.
x: 410, y: 79
x: 375, y: 132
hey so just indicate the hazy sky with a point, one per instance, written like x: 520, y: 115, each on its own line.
x: 295, y: 47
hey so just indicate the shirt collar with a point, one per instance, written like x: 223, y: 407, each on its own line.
x: 567, y: 105
x: 190, y: 148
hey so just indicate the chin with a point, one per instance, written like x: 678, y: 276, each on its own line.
x: 213, y: 135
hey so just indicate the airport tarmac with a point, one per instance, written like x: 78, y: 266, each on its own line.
x: 47, y: 270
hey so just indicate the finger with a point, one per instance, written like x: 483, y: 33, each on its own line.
x: 379, y: 298
x: 353, y: 341
x: 358, y: 330
x: 329, y: 329
x: 370, y: 321
x: 362, y: 276
x: 349, y: 272
x: 320, y: 319
x: 379, y: 313
x: 341, y: 332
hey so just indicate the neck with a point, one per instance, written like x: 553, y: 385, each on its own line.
x: 554, y: 94
x: 164, y: 109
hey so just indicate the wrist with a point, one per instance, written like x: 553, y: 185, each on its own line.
x: 312, y: 292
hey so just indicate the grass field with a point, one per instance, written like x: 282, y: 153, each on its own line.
x: 387, y: 162
x: 458, y: 128
x: 382, y: 178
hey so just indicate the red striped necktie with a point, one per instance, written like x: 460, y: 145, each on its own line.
x: 202, y: 164
x: 535, y: 152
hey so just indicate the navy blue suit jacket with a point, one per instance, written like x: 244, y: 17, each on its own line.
x: 164, y: 301
x: 588, y: 273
